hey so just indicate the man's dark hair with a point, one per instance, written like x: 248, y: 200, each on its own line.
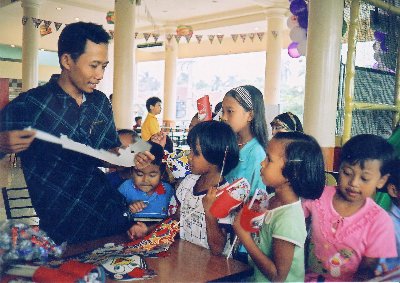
x: 137, y: 118
x: 151, y: 102
x: 74, y: 36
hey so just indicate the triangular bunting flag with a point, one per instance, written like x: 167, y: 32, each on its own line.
x: 146, y: 35
x: 36, y: 22
x: 47, y: 23
x: 234, y: 37
x: 177, y: 37
x: 136, y: 34
x: 45, y: 30
x: 220, y: 37
x: 251, y: 36
x: 260, y: 35
x: 24, y: 20
x: 188, y: 37
x: 243, y: 36
x: 111, y: 32
x: 156, y: 36
x: 199, y: 37
x: 168, y: 36
x: 211, y: 38
x: 57, y: 25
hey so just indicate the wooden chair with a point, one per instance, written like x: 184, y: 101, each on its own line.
x: 18, y: 205
x: 331, y: 178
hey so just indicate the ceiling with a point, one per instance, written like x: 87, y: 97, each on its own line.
x: 205, y: 16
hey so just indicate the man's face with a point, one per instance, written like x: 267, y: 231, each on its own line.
x: 87, y: 71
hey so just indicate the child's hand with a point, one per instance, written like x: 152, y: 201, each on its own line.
x: 209, y: 199
x: 160, y: 138
x: 143, y: 159
x: 137, y: 206
x: 236, y: 224
x: 139, y: 230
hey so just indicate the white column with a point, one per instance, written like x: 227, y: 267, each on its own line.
x: 106, y: 84
x: 30, y: 45
x: 124, y: 32
x: 274, y: 36
x: 169, y: 101
x: 322, y: 73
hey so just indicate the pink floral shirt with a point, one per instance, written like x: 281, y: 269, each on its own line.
x: 338, y: 243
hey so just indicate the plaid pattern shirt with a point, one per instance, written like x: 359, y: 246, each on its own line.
x: 71, y: 196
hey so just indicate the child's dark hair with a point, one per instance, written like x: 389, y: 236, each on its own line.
x: 151, y: 102
x: 158, y: 152
x: 289, y: 121
x: 258, y: 125
x: 169, y: 144
x: 137, y: 118
x: 304, y: 164
x: 365, y: 147
x: 214, y: 138
x: 394, y: 177
x: 74, y: 36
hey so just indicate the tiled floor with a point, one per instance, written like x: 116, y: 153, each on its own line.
x: 11, y: 176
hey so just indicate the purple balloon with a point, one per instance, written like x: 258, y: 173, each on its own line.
x: 384, y: 46
x: 292, y: 50
x: 379, y: 36
x: 302, y: 19
x: 297, y: 7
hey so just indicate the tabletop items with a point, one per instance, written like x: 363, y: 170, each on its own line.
x: 21, y: 242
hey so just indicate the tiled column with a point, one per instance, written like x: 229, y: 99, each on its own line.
x: 30, y: 45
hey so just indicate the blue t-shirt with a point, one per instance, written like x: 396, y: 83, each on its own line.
x: 158, y: 202
x: 250, y: 158
x: 394, y: 262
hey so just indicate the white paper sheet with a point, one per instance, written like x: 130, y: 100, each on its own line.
x: 125, y: 157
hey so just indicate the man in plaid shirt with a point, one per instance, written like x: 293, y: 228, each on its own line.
x: 71, y: 196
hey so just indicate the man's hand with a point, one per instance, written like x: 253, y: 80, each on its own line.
x: 139, y: 230
x: 15, y: 141
x: 143, y: 159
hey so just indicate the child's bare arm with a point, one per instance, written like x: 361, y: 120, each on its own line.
x: 216, y: 236
x: 276, y: 268
x: 366, y: 269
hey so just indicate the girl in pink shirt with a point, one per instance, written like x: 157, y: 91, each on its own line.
x: 349, y: 231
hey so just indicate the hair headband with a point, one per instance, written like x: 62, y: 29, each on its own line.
x: 243, y: 96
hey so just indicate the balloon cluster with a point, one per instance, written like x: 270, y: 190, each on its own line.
x: 298, y: 24
x: 385, y: 34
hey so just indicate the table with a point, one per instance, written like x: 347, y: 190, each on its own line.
x: 187, y: 263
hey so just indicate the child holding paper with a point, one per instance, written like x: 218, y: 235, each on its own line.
x: 294, y: 168
x: 214, y: 152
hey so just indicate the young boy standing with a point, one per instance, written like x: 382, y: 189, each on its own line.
x: 150, y: 125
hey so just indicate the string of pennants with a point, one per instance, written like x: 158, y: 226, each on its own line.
x: 45, y: 29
